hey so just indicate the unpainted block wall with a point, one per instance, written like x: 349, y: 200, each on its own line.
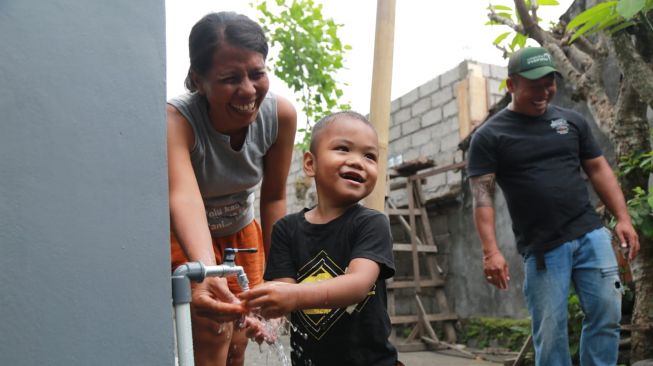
x: 424, y: 123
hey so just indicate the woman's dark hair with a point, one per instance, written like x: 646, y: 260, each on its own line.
x: 213, y: 31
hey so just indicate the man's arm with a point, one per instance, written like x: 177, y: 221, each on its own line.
x: 606, y: 186
x: 494, y: 264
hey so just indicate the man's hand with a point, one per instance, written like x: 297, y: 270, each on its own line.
x: 628, y: 239
x: 496, y: 271
x: 212, y: 299
x: 274, y: 299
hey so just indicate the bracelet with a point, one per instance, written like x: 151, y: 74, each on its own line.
x: 486, y: 257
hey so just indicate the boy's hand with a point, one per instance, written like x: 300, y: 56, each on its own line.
x: 212, y: 299
x: 257, y: 330
x: 274, y: 299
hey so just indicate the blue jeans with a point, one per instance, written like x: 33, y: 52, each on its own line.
x: 590, y: 263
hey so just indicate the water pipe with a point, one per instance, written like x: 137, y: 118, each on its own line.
x: 181, y: 295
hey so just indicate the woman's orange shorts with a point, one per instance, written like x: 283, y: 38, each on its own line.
x: 251, y: 236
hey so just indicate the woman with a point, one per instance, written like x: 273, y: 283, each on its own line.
x: 225, y: 136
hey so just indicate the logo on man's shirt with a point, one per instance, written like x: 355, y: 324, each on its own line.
x: 561, y: 126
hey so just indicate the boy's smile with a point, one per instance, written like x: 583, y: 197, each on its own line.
x: 345, y: 162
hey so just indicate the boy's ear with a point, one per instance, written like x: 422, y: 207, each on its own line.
x: 309, y: 164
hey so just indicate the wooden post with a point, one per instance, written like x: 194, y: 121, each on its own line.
x: 380, y: 101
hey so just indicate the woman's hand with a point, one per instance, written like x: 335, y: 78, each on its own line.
x: 212, y: 299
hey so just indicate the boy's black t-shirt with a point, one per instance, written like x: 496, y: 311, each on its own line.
x: 357, y: 335
x: 537, y: 162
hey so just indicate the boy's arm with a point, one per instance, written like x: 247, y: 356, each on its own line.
x: 277, y: 299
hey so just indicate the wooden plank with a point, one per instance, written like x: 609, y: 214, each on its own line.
x: 404, y: 319
x: 403, y: 221
x: 404, y: 247
x: 413, y: 235
x: 411, y: 284
x: 411, y: 347
x: 435, y: 171
x: 426, y: 324
x: 402, y: 211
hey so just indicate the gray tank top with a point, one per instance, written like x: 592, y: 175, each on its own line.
x: 226, y: 177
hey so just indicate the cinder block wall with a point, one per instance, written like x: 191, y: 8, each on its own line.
x: 425, y: 123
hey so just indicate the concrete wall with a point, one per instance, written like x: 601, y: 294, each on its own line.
x: 83, y: 201
x: 425, y: 123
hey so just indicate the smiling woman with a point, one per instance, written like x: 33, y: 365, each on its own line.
x: 225, y: 135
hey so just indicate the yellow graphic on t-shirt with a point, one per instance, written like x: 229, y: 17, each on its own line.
x: 317, y: 322
x: 320, y: 274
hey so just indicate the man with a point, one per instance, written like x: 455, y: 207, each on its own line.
x: 534, y: 151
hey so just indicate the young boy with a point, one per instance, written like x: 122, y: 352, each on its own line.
x: 329, y: 263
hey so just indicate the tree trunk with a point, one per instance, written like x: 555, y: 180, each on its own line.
x: 642, y: 319
x: 631, y: 135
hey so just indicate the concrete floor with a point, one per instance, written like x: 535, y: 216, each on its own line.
x: 266, y: 356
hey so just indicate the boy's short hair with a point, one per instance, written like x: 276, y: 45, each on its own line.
x: 325, y: 121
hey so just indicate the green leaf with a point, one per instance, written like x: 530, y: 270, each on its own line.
x: 601, y: 16
x: 590, y: 13
x: 500, y: 7
x: 548, y: 2
x: 628, y: 8
x: 503, y: 85
x: 500, y: 38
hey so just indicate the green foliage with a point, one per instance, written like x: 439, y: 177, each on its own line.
x: 610, y: 16
x: 574, y: 323
x: 640, y: 206
x: 498, y: 332
x: 512, y: 333
x: 310, y: 54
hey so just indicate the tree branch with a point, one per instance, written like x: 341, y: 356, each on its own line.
x: 505, y: 21
x: 531, y: 28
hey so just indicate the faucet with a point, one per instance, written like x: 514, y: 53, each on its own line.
x: 181, y: 295
x: 197, y: 271
x: 229, y: 267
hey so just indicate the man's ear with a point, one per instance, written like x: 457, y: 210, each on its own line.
x: 309, y: 164
x: 510, y: 85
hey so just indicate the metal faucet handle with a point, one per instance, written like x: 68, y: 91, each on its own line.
x: 230, y: 253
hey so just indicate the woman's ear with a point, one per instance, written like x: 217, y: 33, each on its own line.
x: 309, y: 164
x: 197, y: 80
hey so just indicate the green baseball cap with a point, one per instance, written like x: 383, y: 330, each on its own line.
x: 531, y: 63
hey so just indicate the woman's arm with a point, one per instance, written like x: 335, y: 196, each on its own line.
x: 187, y: 215
x: 188, y: 222
x: 275, y: 171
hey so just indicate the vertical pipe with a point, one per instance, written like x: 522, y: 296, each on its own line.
x: 184, y: 335
x: 380, y: 100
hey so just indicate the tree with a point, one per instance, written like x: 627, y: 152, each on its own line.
x: 606, y: 33
x: 310, y: 54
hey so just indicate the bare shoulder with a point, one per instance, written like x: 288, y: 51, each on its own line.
x: 179, y: 128
x: 286, y: 113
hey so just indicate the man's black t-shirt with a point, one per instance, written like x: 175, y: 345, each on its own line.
x: 357, y: 335
x: 537, y: 162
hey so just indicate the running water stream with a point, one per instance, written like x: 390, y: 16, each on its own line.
x: 273, y: 353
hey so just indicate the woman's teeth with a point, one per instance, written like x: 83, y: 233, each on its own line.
x: 245, y: 107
